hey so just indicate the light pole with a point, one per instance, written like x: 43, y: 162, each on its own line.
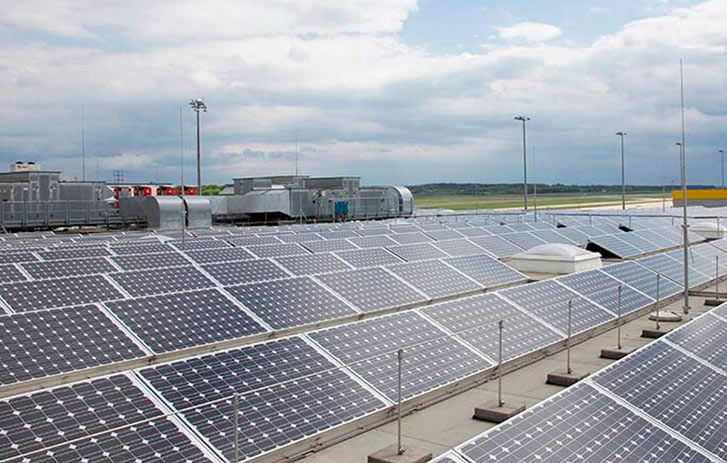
x: 524, y: 119
x: 721, y: 152
x: 683, y: 164
x: 623, y: 171
x: 197, y: 106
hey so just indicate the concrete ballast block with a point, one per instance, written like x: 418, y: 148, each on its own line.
x: 494, y: 413
x: 563, y: 378
x: 390, y: 454
x: 654, y: 333
x: 615, y: 354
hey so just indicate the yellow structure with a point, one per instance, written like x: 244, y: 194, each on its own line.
x: 707, y: 198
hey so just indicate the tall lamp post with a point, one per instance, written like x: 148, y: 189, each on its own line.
x: 623, y: 171
x: 721, y: 152
x: 197, y: 106
x: 524, y: 119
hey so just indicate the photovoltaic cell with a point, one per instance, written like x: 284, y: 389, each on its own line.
x: 415, y: 252
x: 338, y: 234
x: 442, y: 235
x: 497, y: 246
x: 579, y: 424
x: 314, y: 398
x: 58, y: 292
x: 67, y: 268
x: 473, y: 232
x: 616, y: 246
x: 49, y: 342
x: 552, y: 236
x: 16, y: 257
x: 672, y: 268
x: 141, y: 248
x: 160, y: 281
x: 461, y: 247
x: 200, y: 243
x: 372, y: 241
x: 373, y: 257
x: 32, y: 422
x: 675, y: 389
x: 10, y: 273
x: 311, y: 264
x: 371, y: 289
x: 411, y: 238
x: 374, y: 231
x: 253, y: 240
x: 430, y: 357
x: 300, y: 238
x: 485, y: 270
x: 523, y: 239
x: 290, y: 302
x: 574, y: 235
x: 177, y: 321
x: 248, y: 271
x: 208, y: 256
x: 434, y: 278
x: 475, y: 320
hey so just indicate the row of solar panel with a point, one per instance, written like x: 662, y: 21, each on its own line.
x: 664, y: 403
x: 627, y: 245
x: 302, y: 392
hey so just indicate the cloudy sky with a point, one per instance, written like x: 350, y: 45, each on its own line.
x: 397, y: 91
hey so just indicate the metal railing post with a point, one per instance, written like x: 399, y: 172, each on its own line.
x: 716, y: 275
x: 500, y: 402
x: 235, y: 424
x: 658, y: 284
x: 618, y: 320
x: 399, y: 447
x: 570, y: 310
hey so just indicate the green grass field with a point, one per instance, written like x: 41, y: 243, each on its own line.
x: 468, y: 202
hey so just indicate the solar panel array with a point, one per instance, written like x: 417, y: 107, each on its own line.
x: 134, y: 299
x: 665, y: 402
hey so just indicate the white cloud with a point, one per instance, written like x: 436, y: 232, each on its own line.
x: 529, y: 31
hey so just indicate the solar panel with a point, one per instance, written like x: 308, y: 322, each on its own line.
x: 485, y: 270
x: 374, y: 231
x: 591, y: 231
x: 208, y: 256
x: 580, y: 424
x: 10, y: 273
x: 441, y: 235
x: 145, y: 261
x: 642, y: 279
x: 574, y: 235
x: 329, y: 245
x: 160, y: 281
x: 74, y: 253
x: 602, y: 289
x: 405, y: 228
x: 371, y: 289
x: 338, y: 234
x: 549, y: 301
x: 16, y: 257
x: 475, y: 320
x: 141, y: 248
x: 675, y: 389
x: 523, y: 239
x: 300, y: 238
x: 434, y: 278
x: 705, y: 337
x: 672, y: 268
x: 200, y: 243
x: 247, y: 271
x: 461, y: 247
x: 615, y: 246
x: 314, y: 398
x: 50, y: 342
x: 278, y: 250
x: 290, y: 302
x: 415, y: 252
x: 427, y: 226
x: 58, y: 292
x: 253, y: 240
x: 552, y: 236
x: 697, y: 262
x: 63, y: 414
x: 411, y: 238
x: 497, y: 246
x: 473, y: 232
x: 372, y: 241
x: 430, y: 359
x: 177, y: 321
x: 373, y: 257
x: 312, y: 263
x: 638, y: 242
x: 654, y: 237
x: 67, y: 268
